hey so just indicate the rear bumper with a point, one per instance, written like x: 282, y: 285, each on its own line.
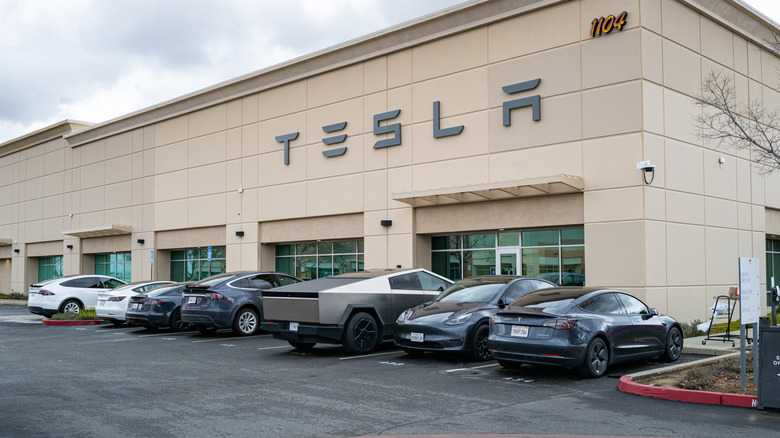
x: 305, y: 333
x: 547, y: 353
x: 207, y: 318
x: 147, y: 319
x: 41, y: 311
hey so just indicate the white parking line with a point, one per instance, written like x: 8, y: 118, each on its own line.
x: 225, y: 339
x: 472, y: 368
x: 271, y: 348
x: 368, y: 355
x: 163, y: 334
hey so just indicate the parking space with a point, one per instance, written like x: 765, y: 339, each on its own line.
x: 105, y: 380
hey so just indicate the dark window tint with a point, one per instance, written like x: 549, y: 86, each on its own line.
x: 430, y: 282
x: 264, y: 281
x: 285, y: 280
x: 243, y: 283
x: 633, y: 306
x: 516, y: 290
x: 108, y: 283
x: 71, y: 283
x: 603, y: 304
x: 89, y: 282
x: 408, y: 281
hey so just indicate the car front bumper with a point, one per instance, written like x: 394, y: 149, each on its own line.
x: 436, y: 337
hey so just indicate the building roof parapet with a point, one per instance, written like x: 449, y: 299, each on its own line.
x: 42, y: 135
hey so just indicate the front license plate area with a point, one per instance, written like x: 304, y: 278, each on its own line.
x: 520, y: 331
x: 417, y: 337
x: 293, y: 326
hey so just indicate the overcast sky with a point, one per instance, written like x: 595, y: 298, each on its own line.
x: 94, y: 60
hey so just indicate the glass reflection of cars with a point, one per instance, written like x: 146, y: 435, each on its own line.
x: 584, y: 328
x: 159, y: 307
x: 457, y: 319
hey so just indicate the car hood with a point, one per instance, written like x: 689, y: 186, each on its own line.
x: 437, y: 311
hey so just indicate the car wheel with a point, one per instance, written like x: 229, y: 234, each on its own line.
x: 206, y: 329
x: 361, y: 334
x: 303, y: 346
x: 246, y: 322
x: 674, y: 345
x: 176, y: 323
x: 596, y: 359
x: 510, y: 365
x: 71, y: 306
x: 479, y: 344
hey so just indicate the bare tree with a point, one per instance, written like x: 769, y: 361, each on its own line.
x: 752, y: 126
x: 726, y: 123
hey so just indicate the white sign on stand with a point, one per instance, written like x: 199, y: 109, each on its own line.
x: 749, y: 310
x: 749, y: 290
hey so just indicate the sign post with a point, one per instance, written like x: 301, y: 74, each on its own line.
x: 749, y: 310
x: 151, y: 265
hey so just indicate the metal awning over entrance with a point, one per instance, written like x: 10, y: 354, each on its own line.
x: 105, y: 230
x: 546, y: 185
x: 4, y: 241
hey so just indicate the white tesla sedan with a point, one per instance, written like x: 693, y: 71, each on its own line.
x: 112, y: 305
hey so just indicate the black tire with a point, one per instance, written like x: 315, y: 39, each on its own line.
x: 596, y: 359
x: 510, y: 365
x: 176, y: 323
x: 206, y: 329
x: 246, y: 323
x: 302, y: 346
x: 413, y: 352
x: 479, y: 349
x: 71, y: 306
x: 674, y: 345
x: 361, y: 334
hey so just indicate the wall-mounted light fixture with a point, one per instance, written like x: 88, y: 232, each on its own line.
x: 398, y: 266
x: 69, y: 246
x: 141, y: 241
x: 722, y: 161
x: 16, y: 250
x: 647, y: 168
x: 240, y: 233
x: 386, y: 223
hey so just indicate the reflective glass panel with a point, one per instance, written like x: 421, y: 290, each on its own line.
x: 509, y: 239
x: 478, y: 263
x: 286, y: 265
x: 344, y: 247
x: 324, y: 267
x: 306, y: 267
x: 445, y: 242
x: 541, y: 262
x: 325, y: 248
x: 540, y: 238
x: 574, y: 236
x: 480, y: 241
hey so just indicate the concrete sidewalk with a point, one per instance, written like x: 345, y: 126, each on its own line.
x: 13, y: 302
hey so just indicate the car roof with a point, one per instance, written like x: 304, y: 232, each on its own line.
x: 558, y: 294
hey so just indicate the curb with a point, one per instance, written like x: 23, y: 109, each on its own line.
x: 47, y: 321
x: 687, y: 395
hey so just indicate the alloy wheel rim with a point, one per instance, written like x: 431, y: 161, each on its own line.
x: 71, y: 308
x: 247, y: 322
x: 482, y: 348
x: 598, y: 362
x: 365, y: 333
x: 676, y: 345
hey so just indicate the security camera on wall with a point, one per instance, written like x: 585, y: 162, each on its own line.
x: 645, y: 165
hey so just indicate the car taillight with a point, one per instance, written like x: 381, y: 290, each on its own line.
x: 158, y: 302
x: 495, y: 319
x: 45, y: 292
x: 215, y: 296
x: 116, y: 298
x: 559, y: 324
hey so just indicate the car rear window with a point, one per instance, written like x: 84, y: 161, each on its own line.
x: 474, y: 293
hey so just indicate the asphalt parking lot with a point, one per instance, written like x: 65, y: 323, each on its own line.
x: 108, y: 381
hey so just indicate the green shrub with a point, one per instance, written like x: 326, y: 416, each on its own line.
x: 690, y: 329
x: 84, y: 314
x: 13, y: 296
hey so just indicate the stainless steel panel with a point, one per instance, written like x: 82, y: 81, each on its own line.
x: 291, y: 309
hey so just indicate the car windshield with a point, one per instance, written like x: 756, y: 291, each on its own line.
x: 473, y: 291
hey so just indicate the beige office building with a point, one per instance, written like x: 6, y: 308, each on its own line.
x: 492, y: 137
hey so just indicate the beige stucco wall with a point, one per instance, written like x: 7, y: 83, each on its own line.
x: 198, y: 175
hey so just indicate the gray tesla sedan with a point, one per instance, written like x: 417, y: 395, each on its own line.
x: 231, y: 300
x: 457, y: 319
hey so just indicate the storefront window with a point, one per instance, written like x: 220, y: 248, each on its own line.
x: 193, y: 264
x: 772, y: 262
x: 117, y: 265
x: 310, y: 260
x: 49, y: 267
x: 557, y: 255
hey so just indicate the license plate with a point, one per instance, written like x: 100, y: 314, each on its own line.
x: 101, y: 302
x: 417, y: 337
x: 192, y: 300
x: 293, y: 326
x: 136, y: 305
x: 520, y: 331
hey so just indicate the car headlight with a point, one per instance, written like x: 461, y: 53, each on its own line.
x: 404, y: 316
x: 458, y: 320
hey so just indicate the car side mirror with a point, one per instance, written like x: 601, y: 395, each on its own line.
x: 505, y: 302
x: 653, y: 312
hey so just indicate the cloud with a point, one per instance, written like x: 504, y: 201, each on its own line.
x: 95, y: 60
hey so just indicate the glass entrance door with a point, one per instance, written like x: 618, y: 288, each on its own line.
x: 508, y: 260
